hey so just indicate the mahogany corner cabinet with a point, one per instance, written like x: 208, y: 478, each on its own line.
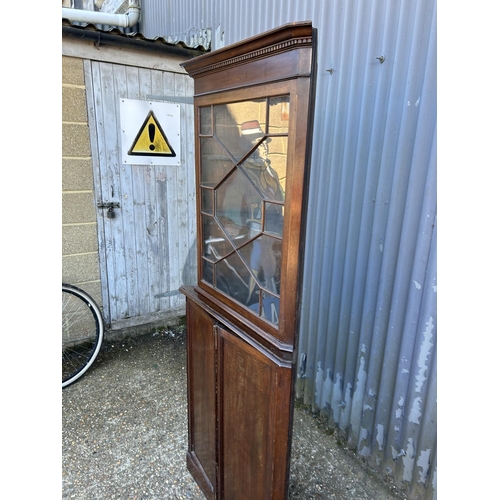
x: 253, y: 118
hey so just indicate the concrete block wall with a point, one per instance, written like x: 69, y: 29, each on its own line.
x: 80, y: 262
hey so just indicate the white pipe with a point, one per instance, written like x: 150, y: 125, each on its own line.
x: 130, y: 18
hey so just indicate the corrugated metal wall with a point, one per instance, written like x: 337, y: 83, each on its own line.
x: 367, y: 349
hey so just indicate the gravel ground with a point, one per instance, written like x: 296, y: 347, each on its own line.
x: 124, y: 433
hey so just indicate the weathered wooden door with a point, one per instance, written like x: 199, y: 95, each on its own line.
x: 253, y: 107
x: 145, y: 209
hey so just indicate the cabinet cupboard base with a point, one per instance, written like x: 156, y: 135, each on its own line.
x: 240, y: 412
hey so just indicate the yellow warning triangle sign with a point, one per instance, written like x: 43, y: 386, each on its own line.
x: 151, y: 140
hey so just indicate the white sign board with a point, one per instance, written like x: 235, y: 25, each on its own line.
x: 150, y: 132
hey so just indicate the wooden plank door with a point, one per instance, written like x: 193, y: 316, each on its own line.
x: 144, y: 248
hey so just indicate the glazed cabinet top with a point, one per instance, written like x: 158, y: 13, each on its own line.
x: 253, y: 111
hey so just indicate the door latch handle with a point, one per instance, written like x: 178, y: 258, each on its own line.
x: 110, y: 205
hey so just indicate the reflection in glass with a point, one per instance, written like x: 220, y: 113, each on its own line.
x: 277, y: 156
x: 270, y: 307
x: 265, y: 179
x: 215, y: 162
x: 206, y: 120
x: 207, y: 201
x: 274, y: 219
x: 244, y: 163
x: 279, y: 110
x: 233, y: 278
x: 236, y: 201
x: 207, y: 272
x: 229, y: 119
x: 215, y: 244
x: 263, y: 257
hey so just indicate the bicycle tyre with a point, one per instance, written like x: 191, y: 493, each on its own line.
x: 82, y: 332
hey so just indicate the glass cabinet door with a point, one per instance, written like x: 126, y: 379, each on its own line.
x: 243, y: 159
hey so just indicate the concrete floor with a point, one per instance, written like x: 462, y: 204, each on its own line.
x: 125, y: 432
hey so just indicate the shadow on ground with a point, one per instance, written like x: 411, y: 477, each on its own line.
x: 125, y: 432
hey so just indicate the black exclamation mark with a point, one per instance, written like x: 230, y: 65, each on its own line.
x: 151, y: 130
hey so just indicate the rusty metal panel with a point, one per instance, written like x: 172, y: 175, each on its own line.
x: 367, y: 348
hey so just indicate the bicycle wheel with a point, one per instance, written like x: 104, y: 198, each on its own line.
x: 82, y: 332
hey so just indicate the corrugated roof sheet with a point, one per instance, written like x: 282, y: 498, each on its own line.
x: 195, y: 44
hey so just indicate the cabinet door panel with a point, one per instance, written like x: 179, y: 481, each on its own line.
x: 254, y: 416
x: 201, y: 399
